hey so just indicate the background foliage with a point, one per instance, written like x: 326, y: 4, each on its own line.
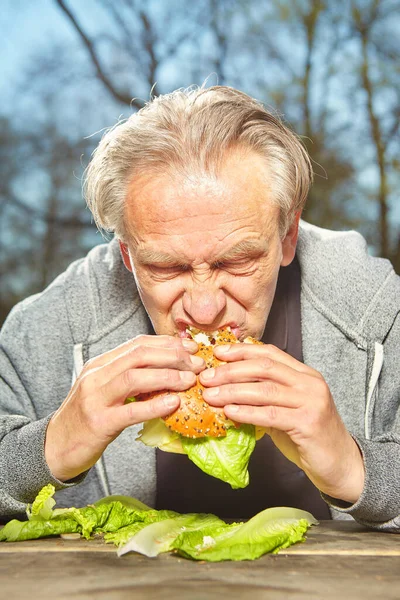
x: 331, y: 68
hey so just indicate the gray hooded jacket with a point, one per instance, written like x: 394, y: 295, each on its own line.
x: 350, y: 304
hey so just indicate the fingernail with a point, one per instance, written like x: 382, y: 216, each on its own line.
x: 187, y: 376
x: 189, y: 344
x: 211, y: 392
x: 232, y: 408
x: 197, y: 360
x: 208, y: 374
x: 171, y: 401
x: 223, y: 349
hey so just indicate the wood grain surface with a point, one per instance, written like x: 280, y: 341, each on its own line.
x: 339, y: 559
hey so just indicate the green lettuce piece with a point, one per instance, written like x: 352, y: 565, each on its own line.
x: 269, y: 531
x: 225, y: 458
x: 150, y: 531
x: 122, y: 535
x: 156, y: 434
x: 18, y: 531
x: 105, y: 516
x: 126, y: 501
x: 42, y: 507
x: 159, y: 537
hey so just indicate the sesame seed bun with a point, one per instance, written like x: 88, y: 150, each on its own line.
x: 195, y: 418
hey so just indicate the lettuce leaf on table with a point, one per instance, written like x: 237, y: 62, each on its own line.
x: 160, y: 537
x: 269, y: 531
x: 206, y: 537
x: 105, y: 516
x: 135, y: 527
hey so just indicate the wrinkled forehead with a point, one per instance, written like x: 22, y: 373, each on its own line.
x: 240, y: 192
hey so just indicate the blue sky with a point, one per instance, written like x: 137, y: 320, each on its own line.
x: 25, y: 26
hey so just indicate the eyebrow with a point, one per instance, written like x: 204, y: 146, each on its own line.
x: 250, y: 248
x: 245, y: 248
x: 147, y: 256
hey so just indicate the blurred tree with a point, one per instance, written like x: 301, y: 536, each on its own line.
x: 331, y: 68
x: 135, y: 27
x: 136, y: 43
x: 379, y: 76
x: 42, y: 231
x: 295, y: 47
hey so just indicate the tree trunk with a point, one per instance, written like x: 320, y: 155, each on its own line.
x: 379, y: 149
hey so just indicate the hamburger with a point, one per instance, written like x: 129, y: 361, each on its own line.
x: 217, y: 445
x: 195, y: 418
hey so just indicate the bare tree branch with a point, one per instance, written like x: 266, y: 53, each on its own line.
x: 222, y: 42
x: 118, y: 95
x: 310, y: 21
x: 393, y: 131
x: 363, y: 24
x: 148, y: 40
x: 34, y: 213
x: 126, y: 37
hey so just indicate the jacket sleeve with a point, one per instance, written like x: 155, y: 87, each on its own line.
x: 379, y: 504
x: 35, y: 376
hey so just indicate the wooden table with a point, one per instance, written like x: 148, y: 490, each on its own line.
x: 340, y: 560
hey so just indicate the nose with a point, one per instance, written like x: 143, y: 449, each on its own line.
x: 204, y: 305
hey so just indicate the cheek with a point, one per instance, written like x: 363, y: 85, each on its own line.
x: 257, y: 292
x: 157, y: 295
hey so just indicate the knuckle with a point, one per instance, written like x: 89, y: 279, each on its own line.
x: 139, y: 356
x: 267, y: 363
x: 180, y: 355
x: 137, y: 350
x: 84, y: 385
x: 132, y: 411
x: 138, y: 339
x: 225, y: 371
x: 321, y: 390
x: 94, y: 420
x: 269, y: 389
x: 151, y: 407
x: 230, y: 390
x: 128, y: 378
x: 270, y: 348
x: 169, y: 376
x: 271, y: 414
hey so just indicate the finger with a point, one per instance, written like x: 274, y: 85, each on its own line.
x: 251, y: 370
x: 137, y: 381
x: 142, y: 357
x: 156, y: 341
x: 264, y: 393
x: 231, y: 352
x: 138, y: 412
x: 276, y: 417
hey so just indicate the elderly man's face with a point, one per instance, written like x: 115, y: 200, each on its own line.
x: 206, y: 252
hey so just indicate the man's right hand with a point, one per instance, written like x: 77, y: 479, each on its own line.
x: 94, y: 412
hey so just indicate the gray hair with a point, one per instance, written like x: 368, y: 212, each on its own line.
x: 190, y: 131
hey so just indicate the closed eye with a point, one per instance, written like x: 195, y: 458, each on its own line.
x: 167, y: 271
x: 237, y: 267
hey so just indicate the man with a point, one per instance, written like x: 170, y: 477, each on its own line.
x: 204, y: 190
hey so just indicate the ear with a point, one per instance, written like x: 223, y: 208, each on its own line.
x: 125, y: 255
x: 289, y: 242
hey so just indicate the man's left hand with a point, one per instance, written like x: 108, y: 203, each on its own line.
x: 267, y: 387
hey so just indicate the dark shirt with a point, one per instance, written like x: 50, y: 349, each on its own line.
x: 274, y: 480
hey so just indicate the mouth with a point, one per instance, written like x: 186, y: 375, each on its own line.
x: 183, y: 329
